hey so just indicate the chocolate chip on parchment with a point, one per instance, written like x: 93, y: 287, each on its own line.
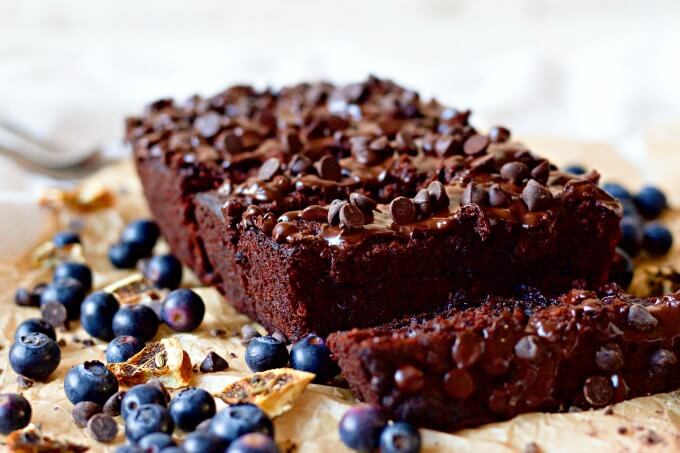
x: 536, y: 196
x: 24, y: 297
x: 328, y: 168
x: 112, y: 405
x: 609, y: 358
x: 351, y: 217
x: 23, y: 382
x: 640, y: 318
x: 269, y: 169
x: 598, y: 391
x: 499, y: 134
x: 474, y: 194
x: 476, y: 144
x: 366, y: 204
x: 497, y: 196
x: 541, y: 172
x: 423, y: 202
x: 438, y: 195
x: 213, y: 363
x: 83, y: 411
x: 514, y: 172
x: 102, y: 428
x: 55, y: 314
x: 217, y: 333
x: 299, y: 164
x: 402, y: 210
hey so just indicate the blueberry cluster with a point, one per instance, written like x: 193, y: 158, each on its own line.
x: 309, y: 354
x: 639, y: 228
x: 366, y: 428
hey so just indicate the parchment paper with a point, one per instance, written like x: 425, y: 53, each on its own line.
x: 643, y: 424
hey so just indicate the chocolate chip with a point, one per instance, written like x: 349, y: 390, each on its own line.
x: 438, y: 194
x: 208, y: 125
x: 88, y: 342
x: 299, y: 164
x: 652, y: 438
x: 474, y: 194
x: 514, y: 172
x: 499, y: 134
x: 315, y: 212
x: 497, y: 196
x: 61, y: 342
x: 402, y: 210
x: 536, y: 196
x: 213, y: 363
x: 404, y: 141
x: 351, y: 217
x: 248, y: 332
x: 24, y: 297
x: 529, y: 348
x: 281, y: 337
x: 232, y: 143
x: 598, y: 391
x: 269, y: 169
x: 379, y: 144
x: 467, y: 349
x: 541, y: 172
x: 112, y: 405
x: 409, y: 378
x: 328, y: 168
x: 334, y: 211
x: 55, y: 314
x: 622, y: 430
x: 366, y: 204
x: 422, y: 202
x: 458, y: 384
x: 83, y: 411
x: 639, y: 318
x: 609, y: 358
x: 102, y: 428
x: 446, y: 145
x: 484, y: 163
x: 662, y: 362
x: 476, y: 144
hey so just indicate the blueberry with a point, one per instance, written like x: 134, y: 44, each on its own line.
x: 63, y: 238
x: 630, y: 210
x: 311, y: 354
x: 202, y: 442
x: 124, y: 255
x: 239, y: 419
x: 96, y: 314
x: 145, y: 233
x: 631, y: 235
x: 34, y: 325
x: 68, y: 292
x: 622, y: 269
x: 360, y: 427
x: 139, y: 395
x: 183, y: 310
x: 575, y: 169
x: 122, y: 348
x: 400, y: 437
x: 137, y: 320
x: 77, y: 271
x: 156, y: 442
x: 657, y: 240
x: 129, y: 448
x: 147, y: 419
x: 650, y: 201
x: 253, y: 443
x: 164, y: 271
x: 190, y: 407
x: 266, y: 353
x: 24, y: 297
x: 617, y: 191
x: 90, y: 381
x: 35, y: 356
x: 172, y: 450
x: 15, y: 412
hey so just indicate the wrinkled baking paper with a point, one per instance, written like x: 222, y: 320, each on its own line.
x: 643, y: 424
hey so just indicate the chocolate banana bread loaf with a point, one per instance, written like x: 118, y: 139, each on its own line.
x: 318, y: 208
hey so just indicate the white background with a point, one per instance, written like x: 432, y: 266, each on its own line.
x: 603, y: 71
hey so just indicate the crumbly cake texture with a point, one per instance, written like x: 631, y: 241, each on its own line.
x: 507, y: 357
x: 320, y: 208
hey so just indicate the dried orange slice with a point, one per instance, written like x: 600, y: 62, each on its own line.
x: 164, y: 359
x: 32, y: 440
x: 135, y: 289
